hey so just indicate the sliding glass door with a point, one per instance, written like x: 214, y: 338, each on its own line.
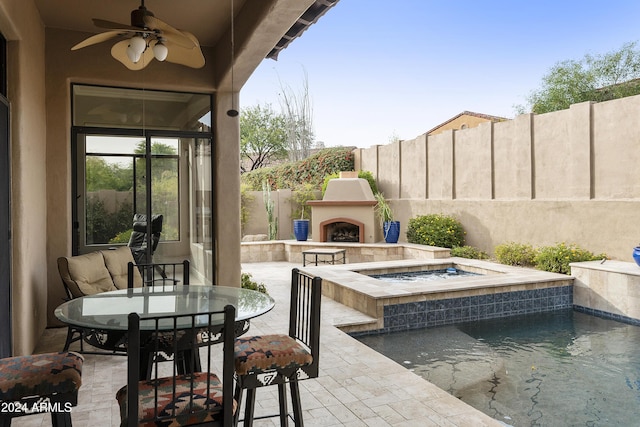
x: 122, y: 167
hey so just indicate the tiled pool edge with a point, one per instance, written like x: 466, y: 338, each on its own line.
x: 606, y: 315
x: 431, y: 313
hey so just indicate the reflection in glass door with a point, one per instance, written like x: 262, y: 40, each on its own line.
x: 112, y: 186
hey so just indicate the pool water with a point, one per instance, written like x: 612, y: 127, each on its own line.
x: 561, y: 368
x: 421, y: 276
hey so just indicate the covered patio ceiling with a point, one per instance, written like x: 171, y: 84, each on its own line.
x: 208, y: 20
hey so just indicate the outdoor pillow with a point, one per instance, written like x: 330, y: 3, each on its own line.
x: 85, y: 274
x: 117, y: 262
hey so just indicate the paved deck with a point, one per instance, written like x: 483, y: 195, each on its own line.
x: 356, y: 385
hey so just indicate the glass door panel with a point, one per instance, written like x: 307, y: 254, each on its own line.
x: 109, y: 201
x: 165, y: 185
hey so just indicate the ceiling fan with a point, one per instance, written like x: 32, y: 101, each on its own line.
x: 145, y: 39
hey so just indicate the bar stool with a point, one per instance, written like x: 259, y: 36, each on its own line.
x: 40, y: 383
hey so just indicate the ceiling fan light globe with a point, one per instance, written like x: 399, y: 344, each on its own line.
x: 138, y: 44
x: 133, y: 55
x: 160, y: 51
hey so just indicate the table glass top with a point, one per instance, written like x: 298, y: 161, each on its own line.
x: 109, y: 310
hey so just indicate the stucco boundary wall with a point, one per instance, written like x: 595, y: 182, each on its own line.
x: 567, y: 176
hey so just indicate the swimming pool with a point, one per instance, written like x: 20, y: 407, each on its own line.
x: 554, y: 368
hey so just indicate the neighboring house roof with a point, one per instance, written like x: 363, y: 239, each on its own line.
x: 482, y: 117
x: 311, y: 16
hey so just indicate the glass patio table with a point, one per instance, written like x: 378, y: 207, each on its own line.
x: 107, y: 312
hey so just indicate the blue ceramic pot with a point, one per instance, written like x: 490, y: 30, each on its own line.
x: 301, y: 229
x: 391, y: 230
x: 636, y: 255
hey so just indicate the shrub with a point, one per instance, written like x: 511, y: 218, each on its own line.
x: 468, y: 252
x: 311, y: 170
x: 122, y: 237
x: 248, y: 283
x: 435, y: 230
x: 301, y: 195
x: 519, y: 254
x: 557, y: 258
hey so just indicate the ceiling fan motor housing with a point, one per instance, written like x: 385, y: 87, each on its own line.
x: 138, y: 15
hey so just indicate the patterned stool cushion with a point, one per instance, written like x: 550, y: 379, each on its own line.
x: 267, y: 352
x: 40, y: 375
x: 168, y: 402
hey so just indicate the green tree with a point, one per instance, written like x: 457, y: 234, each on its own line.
x: 262, y: 136
x: 101, y: 175
x: 593, y: 78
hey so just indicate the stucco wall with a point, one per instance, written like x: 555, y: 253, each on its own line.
x: 21, y: 26
x: 541, y: 179
x: 257, y: 222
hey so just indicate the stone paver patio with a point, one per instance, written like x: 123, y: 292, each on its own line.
x: 356, y: 386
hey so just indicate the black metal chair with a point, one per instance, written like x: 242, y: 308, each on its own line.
x: 151, y: 277
x: 138, y: 241
x: 192, y: 398
x: 279, y: 359
x: 168, y: 274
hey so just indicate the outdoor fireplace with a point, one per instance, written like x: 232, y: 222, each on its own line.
x: 346, y: 213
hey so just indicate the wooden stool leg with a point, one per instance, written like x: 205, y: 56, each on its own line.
x: 282, y: 400
x: 295, y: 400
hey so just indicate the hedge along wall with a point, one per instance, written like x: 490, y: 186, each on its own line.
x: 570, y: 175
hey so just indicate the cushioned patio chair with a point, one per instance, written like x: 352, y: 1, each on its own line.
x: 264, y: 360
x: 169, y: 398
x: 93, y: 273
x: 40, y: 383
x: 104, y: 271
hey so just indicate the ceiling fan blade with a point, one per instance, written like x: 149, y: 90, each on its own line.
x: 119, y: 52
x: 98, y: 38
x: 110, y: 25
x: 169, y: 33
x: 191, y: 57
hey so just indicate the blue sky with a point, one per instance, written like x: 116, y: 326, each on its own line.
x: 378, y: 69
